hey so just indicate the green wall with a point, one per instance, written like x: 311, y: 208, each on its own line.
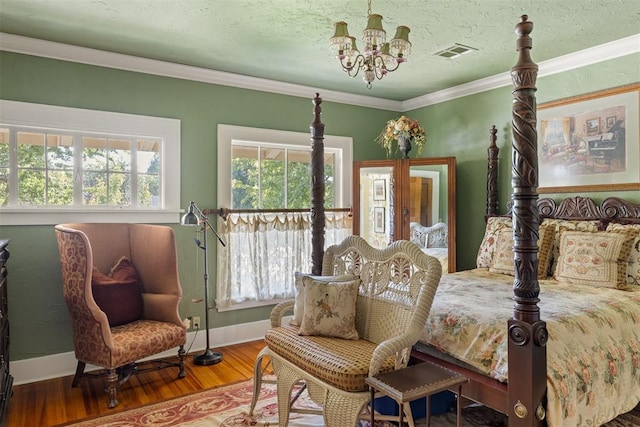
x: 39, y: 320
x: 460, y: 128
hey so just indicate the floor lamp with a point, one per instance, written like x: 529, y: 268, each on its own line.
x: 190, y: 218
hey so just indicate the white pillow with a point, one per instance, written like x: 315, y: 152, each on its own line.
x: 298, y: 307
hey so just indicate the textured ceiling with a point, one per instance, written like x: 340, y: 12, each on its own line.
x: 287, y: 40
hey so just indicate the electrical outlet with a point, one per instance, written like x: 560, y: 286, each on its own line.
x: 196, y: 322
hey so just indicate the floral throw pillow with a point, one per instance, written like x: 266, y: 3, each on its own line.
x: 502, y: 261
x: 330, y: 309
x: 495, y: 225
x: 596, y: 259
x: 298, y: 306
x: 562, y: 225
x: 633, y: 269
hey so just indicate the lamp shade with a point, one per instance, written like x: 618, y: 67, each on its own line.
x: 190, y: 218
x: 340, y: 40
x: 400, y: 46
x: 374, y: 35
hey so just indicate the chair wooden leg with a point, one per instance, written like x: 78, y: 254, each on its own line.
x: 79, y: 373
x: 182, y: 354
x: 112, y: 379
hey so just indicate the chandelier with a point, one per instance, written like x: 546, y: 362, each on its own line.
x: 379, y: 57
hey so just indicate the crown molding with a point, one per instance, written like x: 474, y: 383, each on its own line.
x: 65, y: 52
x: 615, y: 49
x: 101, y: 58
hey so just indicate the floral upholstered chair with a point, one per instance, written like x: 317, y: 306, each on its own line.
x: 121, y: 286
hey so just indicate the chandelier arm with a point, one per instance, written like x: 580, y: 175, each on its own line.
x: 394, y: 68
x: 356, y: 66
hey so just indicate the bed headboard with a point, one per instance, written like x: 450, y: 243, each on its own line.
x: 584, y: 208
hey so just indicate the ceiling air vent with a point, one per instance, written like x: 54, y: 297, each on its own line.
x: 455, y: 51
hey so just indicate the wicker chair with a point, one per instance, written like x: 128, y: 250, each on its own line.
x: 397, y: 288
x: 88, y: 249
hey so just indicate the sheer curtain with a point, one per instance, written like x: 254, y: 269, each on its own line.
x: 264, y: 251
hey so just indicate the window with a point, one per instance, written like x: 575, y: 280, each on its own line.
x: 239, y: 147
x: 271, y: 176
x: 62, y: 164
x: 267, y: 169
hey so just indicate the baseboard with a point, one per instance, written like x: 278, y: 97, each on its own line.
x: 62, y: 364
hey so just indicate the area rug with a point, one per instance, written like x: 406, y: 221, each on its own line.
x: 228, y: 406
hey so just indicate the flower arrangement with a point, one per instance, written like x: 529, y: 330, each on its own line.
x: 402, y: 127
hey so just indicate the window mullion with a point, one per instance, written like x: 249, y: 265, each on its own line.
x: 133, y: 200
x: 286, y: 178
x: 13, y: 166
x: 77, y: 170
x: 260, y: 204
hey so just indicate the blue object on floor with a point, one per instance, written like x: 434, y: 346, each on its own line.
x: 440, y: 403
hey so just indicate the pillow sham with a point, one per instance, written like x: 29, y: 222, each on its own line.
x: 503, y: 262
x: 633, y: 269
x: 565, y: 224
x: 330, y: 308
x: 487, y: 248
x: 298, y: 306
x: 594, y: 258
x: 119, y: 294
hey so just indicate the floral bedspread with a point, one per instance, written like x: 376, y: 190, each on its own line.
x: 593, y: 352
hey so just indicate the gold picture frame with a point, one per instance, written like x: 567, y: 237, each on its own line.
x: 590, y: 142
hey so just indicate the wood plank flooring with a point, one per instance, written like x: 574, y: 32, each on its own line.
x: 51, y: 402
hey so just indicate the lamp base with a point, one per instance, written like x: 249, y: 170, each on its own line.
x: 207, y: 358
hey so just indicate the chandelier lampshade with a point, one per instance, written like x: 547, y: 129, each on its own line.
x: 378, y: 57
x: 400, y: 46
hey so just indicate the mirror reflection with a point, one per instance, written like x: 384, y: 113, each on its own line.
x: 428, y: 210
x: 410, y: 199
x: 376, y: 205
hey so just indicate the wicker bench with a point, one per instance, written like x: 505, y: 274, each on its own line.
x: 397, y: 287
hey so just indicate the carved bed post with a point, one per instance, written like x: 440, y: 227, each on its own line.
x: 317, y: 188
x: 492, y: 174
x: 527, y: 333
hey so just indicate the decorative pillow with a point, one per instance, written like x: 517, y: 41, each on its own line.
x: 330, y: 309
x: 502, y: 261
x: 119, y: 295
x: 633, y: 269
x: 596, y: 259
x: 488, y: 246
x: 124, y: 271
x: 298, y: 306
x: 564, y: 224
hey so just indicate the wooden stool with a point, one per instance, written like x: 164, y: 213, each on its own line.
x: 415, y: 382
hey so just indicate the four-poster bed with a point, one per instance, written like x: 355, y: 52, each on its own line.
x: 526, y: 398
x: 579, y: 363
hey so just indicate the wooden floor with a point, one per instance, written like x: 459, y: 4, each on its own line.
x: 51, y: 402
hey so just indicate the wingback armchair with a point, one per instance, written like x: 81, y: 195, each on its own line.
x: 119, y: 319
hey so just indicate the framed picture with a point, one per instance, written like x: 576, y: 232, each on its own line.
x: 379, y: 189
x: 379, y: 220
x: 590, y: 142
x: 593, y: 126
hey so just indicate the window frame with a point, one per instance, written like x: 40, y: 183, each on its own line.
x: 52, y: 117
x: 227, y: 134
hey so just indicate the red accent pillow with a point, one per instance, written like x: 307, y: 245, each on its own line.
x: 119, y: 294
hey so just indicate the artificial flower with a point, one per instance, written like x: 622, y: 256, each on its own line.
x: 402, y: 127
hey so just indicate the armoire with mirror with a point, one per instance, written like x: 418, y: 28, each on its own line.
x: 411, y: 199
